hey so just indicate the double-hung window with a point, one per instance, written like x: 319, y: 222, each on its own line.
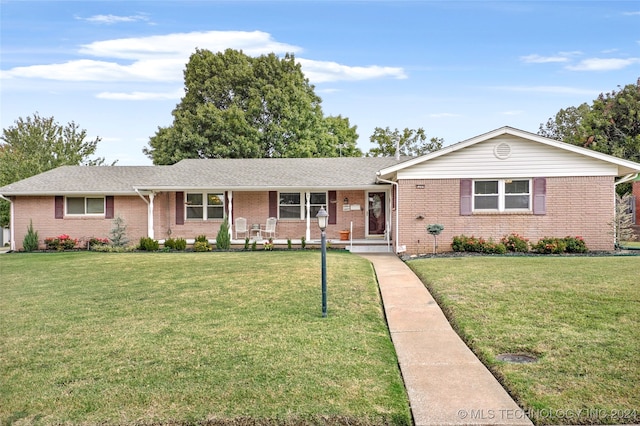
x: 502, y: 195
x: 85, y: 206
x: 205, y: 206
x: 292, y: 205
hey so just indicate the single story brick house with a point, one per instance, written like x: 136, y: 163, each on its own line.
x: 500, y: 182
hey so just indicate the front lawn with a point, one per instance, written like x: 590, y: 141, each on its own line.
x: 578, y: 315
x: 185, y: 338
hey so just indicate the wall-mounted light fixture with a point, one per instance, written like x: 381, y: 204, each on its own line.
x: 346, y: 200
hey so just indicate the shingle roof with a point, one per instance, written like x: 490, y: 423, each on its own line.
x: 235, y: 174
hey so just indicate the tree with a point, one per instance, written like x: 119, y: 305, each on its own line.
x: 610, y: 125
x: 37, y: 144
x: 411, y: 142
x: 237, y: 106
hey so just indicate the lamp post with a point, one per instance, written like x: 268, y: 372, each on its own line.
x: 322, y: 224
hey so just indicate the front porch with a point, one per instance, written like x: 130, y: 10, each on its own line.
x: 368, y: 245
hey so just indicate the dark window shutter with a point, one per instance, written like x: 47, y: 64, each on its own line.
x: 59, y: 207
x: 273, y: 203
x: 332, y: 208
x: 179, y: 208
x: 466, y: 194
x: 108, y: 214
x: 539, y: 196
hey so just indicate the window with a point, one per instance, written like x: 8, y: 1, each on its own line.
x: 502, y: 195
x: 289, y: 205
x: 85, y: 205
x: 317, y: 200
x: 205, y: 206
x: 292, y: 205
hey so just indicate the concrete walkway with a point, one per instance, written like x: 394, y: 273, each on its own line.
x: 446, y: 383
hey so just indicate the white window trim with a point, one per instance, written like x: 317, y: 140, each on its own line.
x: 303, y: 203
x: 501, y: 195
x: 204, y: 206
x: 84, y: 197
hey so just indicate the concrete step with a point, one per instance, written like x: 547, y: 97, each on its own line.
x: 370, y: 248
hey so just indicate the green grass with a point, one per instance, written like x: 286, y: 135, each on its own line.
x: 578, y: 315
x: 631, y: 244
x: 182, y: 338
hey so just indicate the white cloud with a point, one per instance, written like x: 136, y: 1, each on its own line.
x: 184, y: 44
x: 538, y: 59
x: 603, y: 64
x: 515, y: 112
x: 631, y: 13
x: 114, y: 19
x: 141, y: 96
x: 162, y: 58
x: 323, y: 71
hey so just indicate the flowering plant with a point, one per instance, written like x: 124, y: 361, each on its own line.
x: 268, y: 245
x: 61, y: 242
x: 515, y: 242
x: 95, y: 241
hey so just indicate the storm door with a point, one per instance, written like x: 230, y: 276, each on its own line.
x: 377, y: 214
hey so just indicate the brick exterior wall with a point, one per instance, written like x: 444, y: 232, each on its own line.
x: 254, y: 206
x: 576, y: 206
x: 41, y: 211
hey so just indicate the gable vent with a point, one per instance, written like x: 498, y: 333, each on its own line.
x: 502, y: 151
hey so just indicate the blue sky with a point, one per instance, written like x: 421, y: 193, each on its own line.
x: 457, y: 69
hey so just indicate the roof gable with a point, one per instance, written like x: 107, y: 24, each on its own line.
x: 621, y: 166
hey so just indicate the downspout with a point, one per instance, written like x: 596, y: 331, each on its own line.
x: 152, y: 194
x: 627, y: 178
x: 396, y: 235
x: 12, y: 244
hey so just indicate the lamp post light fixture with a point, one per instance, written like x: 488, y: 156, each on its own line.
x: 323, y: 217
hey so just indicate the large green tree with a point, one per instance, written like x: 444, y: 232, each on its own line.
x: 610, y: 125
x: 37, y: 144
x: 410, y: 142
x: 238, y: 106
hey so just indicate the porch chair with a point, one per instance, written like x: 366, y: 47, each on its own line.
x: 270, y: 228
x: 241, y: 226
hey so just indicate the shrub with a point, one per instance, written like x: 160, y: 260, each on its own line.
x: 201, y: 243
x: 268, y: 245
x: 180, y: 244
x: 170, y: 243
x: 289, y: 243
x: 464, y: 243
x: 223, y: 240
x: 575, y: 245
x: 548, y: 245
x: 491, y: 247
x: 118, y: 233
x: 254, y: 245
x: 246, y: 243
x: 201, y: 246
x: 515, y: 243
x: 477, y: 245
x: 148, y: 244
x: 303, y: 242
x: 95, y: 241
x: 30, y: 241
x: 61, y: 242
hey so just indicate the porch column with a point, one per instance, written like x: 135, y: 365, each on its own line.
x: 230, y: 214
x: 307, y: 234
x: 150, y: 232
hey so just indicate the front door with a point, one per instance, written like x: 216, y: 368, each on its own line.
x: 377, y: 214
